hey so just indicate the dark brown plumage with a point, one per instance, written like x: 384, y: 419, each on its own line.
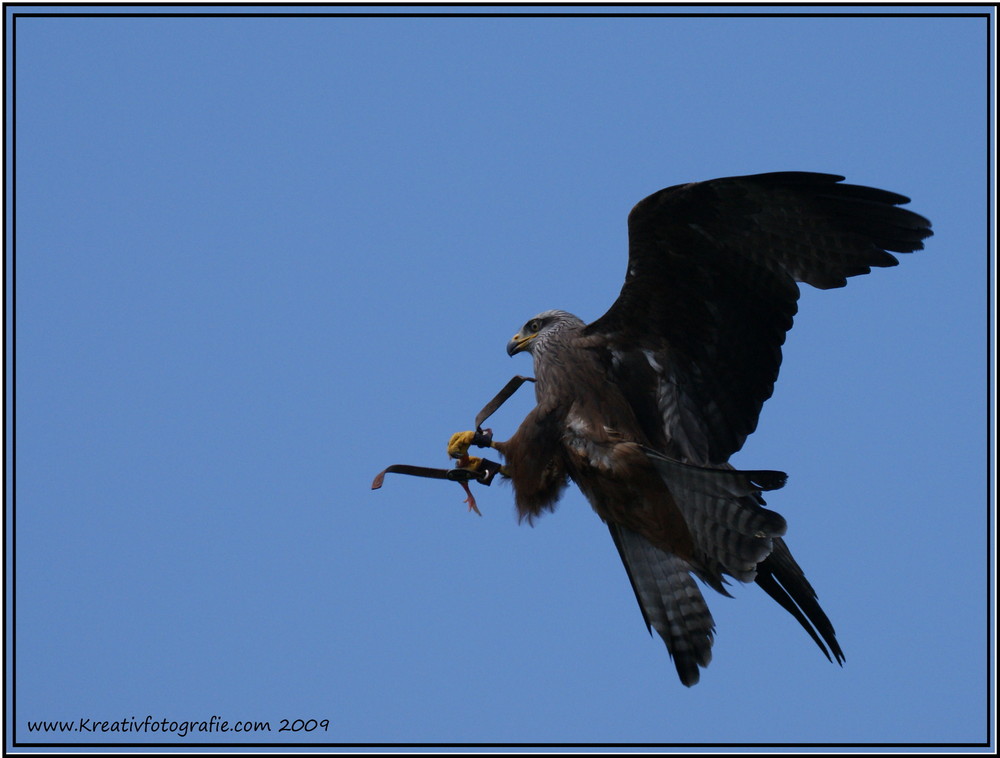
x: 643, y: 408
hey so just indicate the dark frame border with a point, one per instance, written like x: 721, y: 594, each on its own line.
x: 430, y: 11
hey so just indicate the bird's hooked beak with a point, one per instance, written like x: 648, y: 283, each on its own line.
x: 519, y: 343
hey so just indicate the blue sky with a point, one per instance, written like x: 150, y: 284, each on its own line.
x: 259, y: 259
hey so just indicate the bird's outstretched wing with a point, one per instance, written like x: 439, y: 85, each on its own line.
x: 697, y: 330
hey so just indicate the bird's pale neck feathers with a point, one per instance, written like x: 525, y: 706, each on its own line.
x: 561, y: 328
x: 552, y: 340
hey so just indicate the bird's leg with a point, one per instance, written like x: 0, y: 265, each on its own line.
x: 460, y: 442
x: 465, y: 461
x: 458, y: 448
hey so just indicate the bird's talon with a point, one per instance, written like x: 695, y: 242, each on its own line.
x: 459, y: 444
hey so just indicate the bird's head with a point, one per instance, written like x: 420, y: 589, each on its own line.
x: 539, y: 329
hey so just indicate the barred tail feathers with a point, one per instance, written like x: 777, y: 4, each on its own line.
x: 735, y: 534
x: 731, y: 531
x: 670, y: 601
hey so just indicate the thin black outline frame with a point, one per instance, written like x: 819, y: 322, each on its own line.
x: 439, y: 11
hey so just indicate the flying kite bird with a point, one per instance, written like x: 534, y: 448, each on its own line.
x: 643, y: 407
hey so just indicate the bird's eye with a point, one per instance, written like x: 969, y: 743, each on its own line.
x: 534, y: 325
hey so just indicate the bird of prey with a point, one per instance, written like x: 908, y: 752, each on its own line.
x: 643, y: 407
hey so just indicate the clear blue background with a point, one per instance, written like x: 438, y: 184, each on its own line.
x: 259, y: 259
